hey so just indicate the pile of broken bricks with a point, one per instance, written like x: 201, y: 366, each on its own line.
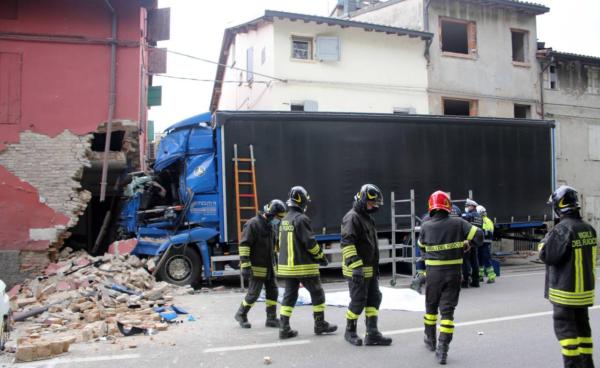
x: 82, y: 299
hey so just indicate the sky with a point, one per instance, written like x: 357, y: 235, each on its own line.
x: 197, y: 29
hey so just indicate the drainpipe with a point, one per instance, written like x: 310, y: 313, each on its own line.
x: 111, y: 98
x: 542, y: 86
x: 426, y: 28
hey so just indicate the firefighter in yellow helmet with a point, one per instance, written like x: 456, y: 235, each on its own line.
x: 570, y: 251
x: 257, y: 255
x: 299, y: 258
x: 360, y: 263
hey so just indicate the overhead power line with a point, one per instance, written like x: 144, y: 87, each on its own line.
x: 225, y: 65
x: 207, y: 80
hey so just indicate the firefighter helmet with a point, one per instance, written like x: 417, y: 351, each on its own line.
x: 275, y: 208
x: 481, y: 210
x: 439, y: 200
x: 369, y: 193
x: 564, y: 200
x: 470, y: 202
x: 298, y: 197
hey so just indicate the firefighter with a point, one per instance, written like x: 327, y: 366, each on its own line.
x: 299, y: 259
x: 360, y: 261
x: 420, y: 277
x: 443, y: 240
x: 569, y: 251
x: 484, y: 252
x: 257, y: 256
x: 470, y: 267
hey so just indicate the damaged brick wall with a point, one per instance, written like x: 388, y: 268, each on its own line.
x: 49, y: 167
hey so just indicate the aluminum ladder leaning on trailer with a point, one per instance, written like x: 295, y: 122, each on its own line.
x: 407, y: 250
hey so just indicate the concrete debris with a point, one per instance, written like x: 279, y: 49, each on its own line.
x: 83, y: 299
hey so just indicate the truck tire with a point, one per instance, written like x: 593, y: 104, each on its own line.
x: 183, y: 266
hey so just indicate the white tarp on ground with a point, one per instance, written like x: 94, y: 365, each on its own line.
x: 393, y: 299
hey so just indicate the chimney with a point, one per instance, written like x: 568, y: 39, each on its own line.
x: 344, y: 7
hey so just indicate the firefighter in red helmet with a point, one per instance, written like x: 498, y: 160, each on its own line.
x: 443, y: 240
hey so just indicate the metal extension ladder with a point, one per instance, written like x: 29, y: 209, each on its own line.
x: 462, y: 200
x: 407, y: 250
x: 246, y: 200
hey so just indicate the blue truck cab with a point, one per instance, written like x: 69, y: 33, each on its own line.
x: 181, y: 221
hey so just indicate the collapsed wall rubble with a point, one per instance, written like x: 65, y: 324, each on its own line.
x: 83, y: 298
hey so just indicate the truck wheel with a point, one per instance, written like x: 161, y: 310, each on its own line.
x: 183, y: 266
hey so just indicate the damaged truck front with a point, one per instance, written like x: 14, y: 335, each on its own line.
x: 174, y: 213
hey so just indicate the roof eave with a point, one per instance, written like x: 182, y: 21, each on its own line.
x: 344, y: 23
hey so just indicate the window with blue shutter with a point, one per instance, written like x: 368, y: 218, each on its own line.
x: 250, y: 65
x: 328, y: 48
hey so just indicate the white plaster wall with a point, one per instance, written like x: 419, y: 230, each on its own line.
x: 376, y: 72
x: 574, y: 112
x: 491, y: 77
x: 403, y: 13
x: 242, y: 96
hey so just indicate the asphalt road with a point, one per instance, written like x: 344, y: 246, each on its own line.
x: 507, y: 324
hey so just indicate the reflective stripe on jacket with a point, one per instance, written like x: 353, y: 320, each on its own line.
x: 442, y: 239
x: 257, y: 246
x: 359, y: 243
x: 570, y: 252
x: 299, y: 252
x: 488, y: 230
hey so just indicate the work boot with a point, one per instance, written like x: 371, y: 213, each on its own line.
x: 442, y: 353
x: 373, y: 336
x: 443, y: 345
x: 474, y: 282
x: 350, y: 334
x: 272, y: 320
x: 242, y: 316
x: 322, y: 326
x: 417, y: 282
x: 285, y: 331
x: 430, y: 339
x: 464, y: 284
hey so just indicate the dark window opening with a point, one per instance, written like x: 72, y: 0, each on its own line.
x: 458, y: 107
x: 552, y: 77
x: 455, y: 37
x: 116, y: 141
x: 8, y: 9
x: 522, y: 111
x: 297, y: 107
x: 519, y: 49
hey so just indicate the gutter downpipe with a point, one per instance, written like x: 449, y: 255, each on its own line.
x: 112, y: 99
x: 426, y: 29
x: 542, y: 86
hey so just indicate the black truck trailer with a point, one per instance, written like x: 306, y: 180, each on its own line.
x: 507, y: 164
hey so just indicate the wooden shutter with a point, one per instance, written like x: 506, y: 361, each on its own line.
x: 10, y: 88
